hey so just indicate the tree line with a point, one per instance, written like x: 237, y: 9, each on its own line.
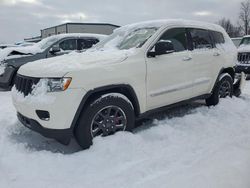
x: 243, y: 25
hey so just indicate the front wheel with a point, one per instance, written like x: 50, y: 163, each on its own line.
x: 103, y: 117
x: 223, y: 89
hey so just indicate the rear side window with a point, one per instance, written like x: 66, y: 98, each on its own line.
x: 86, y: 43
x: 200, y: 39
x: 218, y: 37
x: 178, y: 38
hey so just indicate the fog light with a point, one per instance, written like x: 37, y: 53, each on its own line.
x: 43, y: 115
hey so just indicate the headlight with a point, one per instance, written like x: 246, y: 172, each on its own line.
x: 57, y: 84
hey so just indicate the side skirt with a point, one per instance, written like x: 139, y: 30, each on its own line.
x: 164, y: 108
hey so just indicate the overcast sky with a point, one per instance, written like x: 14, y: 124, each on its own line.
x: 25, y: 18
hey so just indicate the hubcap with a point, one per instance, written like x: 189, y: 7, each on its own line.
x: 225, y: 89
x: 107, y: 121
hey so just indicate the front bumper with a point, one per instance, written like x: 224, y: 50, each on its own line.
x: 63, y: 136
x: 241, y: 68
x: 6, y: 79
x: 62, y: 107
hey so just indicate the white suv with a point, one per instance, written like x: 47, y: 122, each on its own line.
x: 137, y: 70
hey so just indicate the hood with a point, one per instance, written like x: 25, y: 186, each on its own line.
x: 244, y: 48
x: 15, y: 52
x: 60, y: 66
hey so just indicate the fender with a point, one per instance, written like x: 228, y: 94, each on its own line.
x: 229, y: 70
x: 125, y: 89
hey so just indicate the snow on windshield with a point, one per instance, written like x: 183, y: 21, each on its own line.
x: 47, y: 42
x: 124, y: 39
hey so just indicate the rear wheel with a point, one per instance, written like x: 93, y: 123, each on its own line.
x: 223, y: 89
x: 103, y: 117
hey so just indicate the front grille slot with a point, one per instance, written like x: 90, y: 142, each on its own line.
x: 24, y: 84
x: 244, y: 58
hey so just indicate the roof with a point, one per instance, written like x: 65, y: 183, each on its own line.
x: 74, y: 23
x: 166, y: 22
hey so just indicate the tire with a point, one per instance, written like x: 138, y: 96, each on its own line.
x: 95, y: 121
x: 225, y: 81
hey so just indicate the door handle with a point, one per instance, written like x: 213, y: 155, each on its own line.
x: 187, y: 58
x: 216, y: 54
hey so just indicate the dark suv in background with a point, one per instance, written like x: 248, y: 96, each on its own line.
x: 11, y: 59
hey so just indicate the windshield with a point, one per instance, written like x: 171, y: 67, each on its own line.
x: 47, y: 42
x: 245, y: 41
x: 124, y: 40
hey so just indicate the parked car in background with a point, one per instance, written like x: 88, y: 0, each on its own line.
x: 237, y: 41
x: 139, y: 69
x: 243, y: 63
x: 24, y: 44
x: 3, y: 46
x: 12, y: 58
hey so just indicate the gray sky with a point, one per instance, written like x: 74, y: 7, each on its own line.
x: 25, y: 18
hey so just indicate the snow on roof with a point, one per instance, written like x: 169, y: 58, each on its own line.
x: 166, y: 22
x: 87, y: 35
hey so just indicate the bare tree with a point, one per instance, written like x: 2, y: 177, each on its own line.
x: 231, y: 29
x: 245, y: 15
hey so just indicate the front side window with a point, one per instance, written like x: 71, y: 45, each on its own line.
x: 68, y: 45
x: 200, y: 39
x: 86, y: 43
x: 177, y: 37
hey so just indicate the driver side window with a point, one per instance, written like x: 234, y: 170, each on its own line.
x: 68, y: 45
x: 177, y: 37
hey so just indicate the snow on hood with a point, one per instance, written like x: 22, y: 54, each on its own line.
x: 59, y: 66
x: 244, y: 48
x: 28, y: 50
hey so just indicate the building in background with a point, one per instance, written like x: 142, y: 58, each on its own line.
x: 97, y: 28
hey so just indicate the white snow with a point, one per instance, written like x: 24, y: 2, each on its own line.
x: 61, y: 65
x: 38, y: 95
x: 191, y: 146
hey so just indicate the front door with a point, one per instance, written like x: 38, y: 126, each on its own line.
x: 169, y: 76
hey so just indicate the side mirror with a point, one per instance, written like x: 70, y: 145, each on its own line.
x: 54, y: 49
x: 164, y: 47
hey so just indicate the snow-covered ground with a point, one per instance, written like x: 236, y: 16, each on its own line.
x: 191, y: 146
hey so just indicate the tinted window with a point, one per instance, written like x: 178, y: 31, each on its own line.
x: 178, y: 38
x: 200, y: 38
x: 86, y: 43
x: 218, y: 37
x: 245, y: 40
x: 69, y: 44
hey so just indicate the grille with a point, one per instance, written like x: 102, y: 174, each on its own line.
x: 244, y: 58
x: 24, y: 84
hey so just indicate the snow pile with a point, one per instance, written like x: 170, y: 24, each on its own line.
x: 38, y: 95
x: 191, y: 146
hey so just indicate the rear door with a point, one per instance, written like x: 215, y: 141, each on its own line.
x: 203, y: 54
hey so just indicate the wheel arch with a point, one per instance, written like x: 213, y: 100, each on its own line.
x: 229, y: 70
x: 91, y: 95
